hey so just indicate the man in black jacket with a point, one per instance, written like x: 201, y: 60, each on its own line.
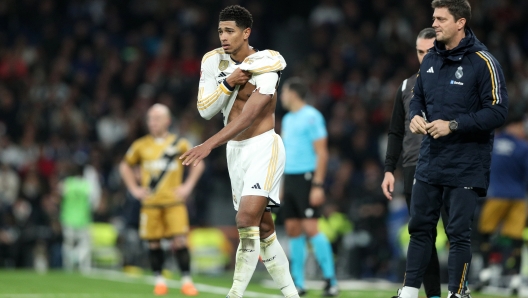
x: 403, y: 142
x: 459, y: 99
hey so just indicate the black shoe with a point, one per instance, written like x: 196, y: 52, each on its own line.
x: 397, y: 295
x: 329, y: 290
x: 301, y: 292
x: 467, y: 294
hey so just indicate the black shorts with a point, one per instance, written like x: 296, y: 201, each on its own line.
x: 296, y: 200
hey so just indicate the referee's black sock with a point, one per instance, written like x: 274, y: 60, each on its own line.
x: 184, y: 260
x: 156, y: 260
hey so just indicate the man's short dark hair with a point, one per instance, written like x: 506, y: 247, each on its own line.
x: 298, y: 86
x: 458, y: 8
x: 237, y: 13
x: 427, y: 33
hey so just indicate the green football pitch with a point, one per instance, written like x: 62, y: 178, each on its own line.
x: 108, y: 284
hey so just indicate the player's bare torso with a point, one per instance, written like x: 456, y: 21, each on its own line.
x: 265, y: 121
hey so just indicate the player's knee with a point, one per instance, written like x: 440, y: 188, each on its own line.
x: 293, y: 227
x: 266, y: 229
x: 179, y: 242
x: 292, y: 232
x: 154, y: 244
x: 420, y: 224
x: 310, y: 232
x: 458, y: 233
x: 244, y: 220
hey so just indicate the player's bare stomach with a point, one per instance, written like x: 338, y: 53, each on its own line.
x: 264, y: 122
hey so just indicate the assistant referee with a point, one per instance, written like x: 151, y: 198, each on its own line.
x: 305, y: 137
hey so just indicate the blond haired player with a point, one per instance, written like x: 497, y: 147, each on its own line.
x: 241, y: 82
x: 162, y: 194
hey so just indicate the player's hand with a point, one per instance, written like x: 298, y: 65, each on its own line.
x: 438, y: 128
x: 388, y: 185
x: 417, y: 125
x: 140, y: 193
x: 238, y: 77
x: 195, y: 155
x: 317, y: 196
x: 183, y: 191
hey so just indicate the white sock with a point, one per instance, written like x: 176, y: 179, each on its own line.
x: 409, y: 292
x: 186, y: 279
x: 451, y: 293
x: 276, y: 262
x: 246, y: 260
x: 160, y: 279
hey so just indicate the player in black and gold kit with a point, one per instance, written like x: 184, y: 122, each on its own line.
x: 162, y: 193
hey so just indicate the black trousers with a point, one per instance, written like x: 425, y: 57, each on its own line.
x: 431, y: 277
x: 426, y: 203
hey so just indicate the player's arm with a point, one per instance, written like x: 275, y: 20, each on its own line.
x: 190, y: 182
x: 212, y: 97
x: 194, y: 175
x: 253, y: 107
x: 493, y: 98
x: 321, y: 150
x: 395, y: 142
x: 396, y: 133
x: 269, y: 61
x: 127, y: 173
x: 318, y: 135
x: 317, y: 193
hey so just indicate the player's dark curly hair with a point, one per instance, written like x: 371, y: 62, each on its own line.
x: 237, y: 13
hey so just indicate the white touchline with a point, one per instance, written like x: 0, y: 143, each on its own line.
x: 122, y: 277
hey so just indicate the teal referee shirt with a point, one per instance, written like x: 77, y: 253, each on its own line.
x: 299, y: 131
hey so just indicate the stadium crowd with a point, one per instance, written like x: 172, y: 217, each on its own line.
x: 76, y: 78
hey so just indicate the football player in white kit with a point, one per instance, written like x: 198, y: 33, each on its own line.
x: 241, y: 82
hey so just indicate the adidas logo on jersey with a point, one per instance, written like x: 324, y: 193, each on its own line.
x: 430, y: 70
x: 256, y: 186
x: 220, y: 77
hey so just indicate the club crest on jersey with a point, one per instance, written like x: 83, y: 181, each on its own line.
x: 223, y: 64
x: 459, y: 73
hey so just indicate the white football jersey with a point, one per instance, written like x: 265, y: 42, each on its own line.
x: 215, y: 95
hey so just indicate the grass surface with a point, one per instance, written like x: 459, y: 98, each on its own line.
x: 106, y: 284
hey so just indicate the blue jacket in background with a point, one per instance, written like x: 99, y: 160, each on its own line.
x: 509, y: 168
x: 465, y: 84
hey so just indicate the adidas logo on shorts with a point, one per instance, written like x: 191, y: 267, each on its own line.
x: 256, y: 186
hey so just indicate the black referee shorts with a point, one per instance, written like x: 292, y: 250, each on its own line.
x: 296, y: 200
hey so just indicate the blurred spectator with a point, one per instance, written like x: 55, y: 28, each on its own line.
x: 327, y: 12
x: 18, y: 235
x: 9, y: 186
x: 114, y: 127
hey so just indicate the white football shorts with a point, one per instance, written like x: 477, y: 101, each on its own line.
x: 256, y: 166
